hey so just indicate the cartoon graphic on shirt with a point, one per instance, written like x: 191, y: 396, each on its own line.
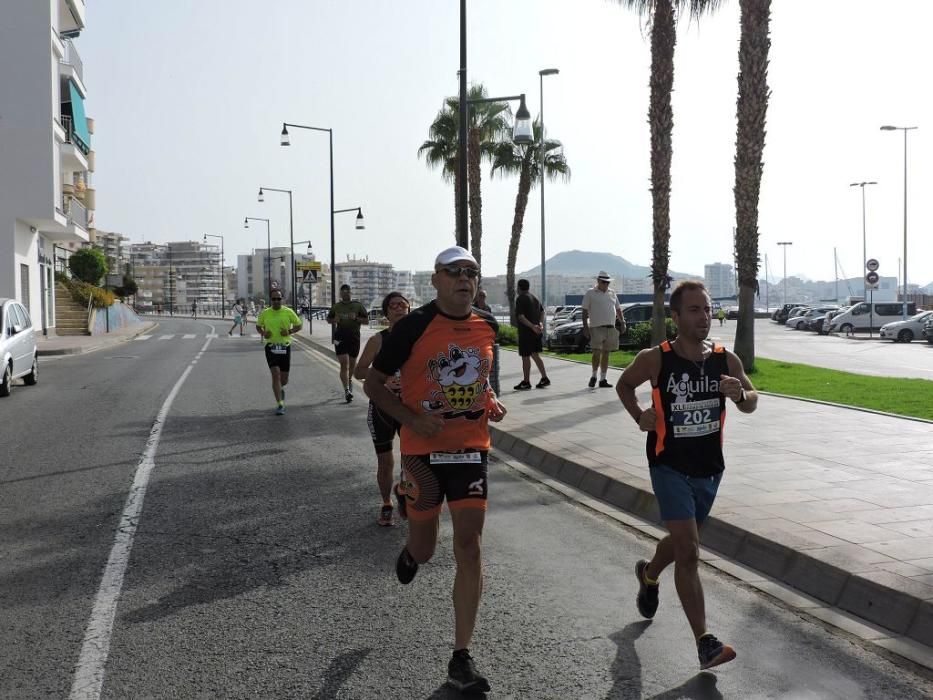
x: 462, y: 377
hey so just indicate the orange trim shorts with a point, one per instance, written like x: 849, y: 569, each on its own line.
x: 427, y: 485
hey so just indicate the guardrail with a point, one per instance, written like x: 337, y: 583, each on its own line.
x: 73, y: 59
x: 75, y: 211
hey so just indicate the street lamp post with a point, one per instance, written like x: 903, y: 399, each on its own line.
x: 246, y: 221
x: 905, y: 129
x: 223, y: 294
x: 784, y: 245
x: 541, y: 74
x: 864, y: 238
x: 309, y: 252
x: 359, y: 226
x: 291, y: 235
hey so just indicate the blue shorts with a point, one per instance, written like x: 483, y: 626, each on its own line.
x: 682, y: 497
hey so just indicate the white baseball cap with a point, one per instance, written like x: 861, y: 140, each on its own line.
x: 454, y: 254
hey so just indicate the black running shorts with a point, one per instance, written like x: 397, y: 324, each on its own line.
x: 347, y: 345
x: 382, y: 427
x: 427, y: 485
x: 276, y: 358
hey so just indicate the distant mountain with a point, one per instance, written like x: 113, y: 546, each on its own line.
x: 582, y: 263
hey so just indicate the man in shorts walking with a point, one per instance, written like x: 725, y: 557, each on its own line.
x: 528, y: 315
x: 346, y: 317
x: 444, y: 352
x: 277, y: 324
x: 691, y: 380
x: 601, y: 314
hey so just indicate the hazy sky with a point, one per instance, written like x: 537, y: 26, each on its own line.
x: 189, y: 97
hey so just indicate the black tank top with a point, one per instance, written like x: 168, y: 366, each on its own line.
x: 691, y: 413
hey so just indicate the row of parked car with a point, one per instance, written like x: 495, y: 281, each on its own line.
x: 885, y: 317
x: 565, y: 329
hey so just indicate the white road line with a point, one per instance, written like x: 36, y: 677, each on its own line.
x: 143, y: 337
x: 89, y: 673
x: 188, y: 336
x: 167, y: 337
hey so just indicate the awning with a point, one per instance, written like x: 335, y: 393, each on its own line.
x: 80, y: 120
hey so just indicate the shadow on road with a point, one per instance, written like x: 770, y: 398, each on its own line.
x: 702, y: 686
x: 339, y: 671
x: 626, y: 668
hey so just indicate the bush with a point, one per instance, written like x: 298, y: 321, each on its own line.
x: 508, y: 335
x: 82, y: 292
x: 640, y: 333
x: 88, y: 265
x: 128, y: 288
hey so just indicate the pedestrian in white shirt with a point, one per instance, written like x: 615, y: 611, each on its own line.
x: 601, y: 313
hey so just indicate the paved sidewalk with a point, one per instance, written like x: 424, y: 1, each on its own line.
x: 78, y: 344
x: 835, y: 502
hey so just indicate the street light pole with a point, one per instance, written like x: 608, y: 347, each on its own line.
x: 291, y: 236
x: 541, y: 74
x: 246, y: 221
x: 864, y: 239
x: 223, y: 293
x: 784, y: 245
x: 905, y: 129
x: 463, y: 107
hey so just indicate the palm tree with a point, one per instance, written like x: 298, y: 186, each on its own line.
x: 751, y: 110
x: 661, y: 120
x: 509, y: 158
x: 441, y: 150
x: 488, y: 122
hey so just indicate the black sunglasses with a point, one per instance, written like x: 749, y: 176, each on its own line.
x: 454, y: 271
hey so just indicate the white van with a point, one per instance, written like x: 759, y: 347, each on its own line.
x: 860, y: 316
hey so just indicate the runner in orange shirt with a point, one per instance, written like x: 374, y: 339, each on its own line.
x: 443, y: 351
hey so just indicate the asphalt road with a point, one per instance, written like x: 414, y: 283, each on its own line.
x: 882, y: 358
x: 257, y: 569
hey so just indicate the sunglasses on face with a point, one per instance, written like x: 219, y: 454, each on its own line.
x: 455, y: 271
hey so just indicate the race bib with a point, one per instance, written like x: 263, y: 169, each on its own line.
x: 278, y: 349
x: 456, y: 458
x: 695, y: 418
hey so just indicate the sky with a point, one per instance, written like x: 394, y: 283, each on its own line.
x: 188, y: 101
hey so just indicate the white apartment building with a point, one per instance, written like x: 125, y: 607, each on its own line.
x: 114, y: 247
x: 254, y: 276
x: 720, y: 280
x: 405, y: 283
x: 370, y: 281
x: 45, y: 147
x: 176, y: 274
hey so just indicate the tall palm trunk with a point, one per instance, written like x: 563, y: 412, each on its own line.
x: 751, y: 108
x: 521, y: 202
x: 475, y: 196
x: 661, y: 121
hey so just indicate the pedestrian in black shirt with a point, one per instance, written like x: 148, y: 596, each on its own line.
x: 528, y: 314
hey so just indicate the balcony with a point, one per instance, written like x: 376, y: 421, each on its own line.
x: 72, y: 66
x: 72, y: 17
x: 74, y: 211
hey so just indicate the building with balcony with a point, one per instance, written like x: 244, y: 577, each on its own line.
x: 46, y: 202
x: 175, y: 275
x: 114, y: 248
x: 370, y: 281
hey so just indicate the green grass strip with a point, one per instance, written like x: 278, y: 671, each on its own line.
x: 904, y: 397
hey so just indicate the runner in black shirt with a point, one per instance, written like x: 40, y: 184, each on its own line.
x: 691, y: 380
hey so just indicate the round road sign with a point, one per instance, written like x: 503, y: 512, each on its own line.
x: 871, y: 264
x: 872, y: 278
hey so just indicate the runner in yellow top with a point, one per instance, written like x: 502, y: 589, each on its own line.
x: 276, y: 325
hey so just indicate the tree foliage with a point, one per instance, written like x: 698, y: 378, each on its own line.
x: 88, y: 265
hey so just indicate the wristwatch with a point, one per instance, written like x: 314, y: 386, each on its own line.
x: 742, y: 397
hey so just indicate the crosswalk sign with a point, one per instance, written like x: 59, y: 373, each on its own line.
x: 310, y: 277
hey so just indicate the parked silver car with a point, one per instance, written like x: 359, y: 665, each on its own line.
x: 17, y: 346
x: 905, y: 331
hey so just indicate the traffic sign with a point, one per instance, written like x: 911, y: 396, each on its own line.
x: 872, y: 280
x: 310, y: 277
x: 871, y: 264
x: 308, y: 265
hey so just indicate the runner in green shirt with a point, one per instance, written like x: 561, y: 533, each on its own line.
x: 346, y: 317
x: 276, y: 325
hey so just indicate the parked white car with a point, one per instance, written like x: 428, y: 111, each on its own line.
x: 865, y: 315
x: 17, y: 346
x: 800, y: 321
x: 905, y: 331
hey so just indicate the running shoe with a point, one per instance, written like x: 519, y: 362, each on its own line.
x: 280, y: 411
x: 405, y: 567
x: 592, y: 383
x: 522, y: 386
x: 603, y: 384
x: 462, y: 673
x: 385, y: 516
x: 348, y: 396
x: 712, y: 652
x: 647, y: 599
x: 402, y: 501
x: 543, y: 383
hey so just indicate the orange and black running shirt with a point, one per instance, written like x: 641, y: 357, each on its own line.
x: 445, y: 364
x: 691, y: 413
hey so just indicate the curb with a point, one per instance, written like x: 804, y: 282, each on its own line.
x: 894, y: 610
x: 105, y: 342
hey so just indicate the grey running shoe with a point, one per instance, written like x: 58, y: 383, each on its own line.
x: 712, y: 652
x: 280, y: 411
x: 462, y: 673
x: 405, y: 567
x: 647, y: 599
